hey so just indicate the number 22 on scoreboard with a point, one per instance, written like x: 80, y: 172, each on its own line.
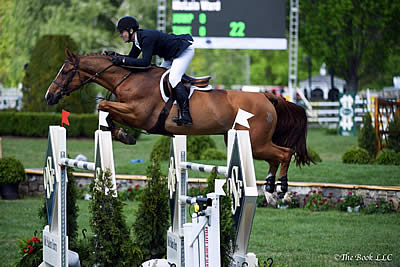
x: 237, y: 29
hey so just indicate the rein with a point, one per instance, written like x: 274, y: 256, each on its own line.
x: 94, y: 76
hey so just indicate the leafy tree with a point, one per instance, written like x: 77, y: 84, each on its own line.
x: 47, y: 57
x: 23, y: 22
x: 353, y: 37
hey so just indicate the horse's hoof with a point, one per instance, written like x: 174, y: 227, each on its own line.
x: 125, y: 138
x: 270, y: 184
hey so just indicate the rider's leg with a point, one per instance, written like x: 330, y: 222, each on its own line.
x: 178, y: 68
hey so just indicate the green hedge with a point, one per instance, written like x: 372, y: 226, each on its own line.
x: 356, y: 155
x: 36, y: 124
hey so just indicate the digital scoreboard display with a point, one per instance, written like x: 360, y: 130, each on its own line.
x: 232, y: 24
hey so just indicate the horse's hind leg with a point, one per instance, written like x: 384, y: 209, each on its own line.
x: 276, y: 155
x: 270, y: 179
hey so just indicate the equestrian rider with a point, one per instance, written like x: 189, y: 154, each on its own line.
x: 176, y: 50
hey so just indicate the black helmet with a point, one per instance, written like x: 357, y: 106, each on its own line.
x: 126, y: 23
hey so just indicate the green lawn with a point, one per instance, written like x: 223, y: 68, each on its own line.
x: 31, y: 151
x: 294, y: 237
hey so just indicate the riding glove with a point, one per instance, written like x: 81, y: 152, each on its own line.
x: 118, y: 60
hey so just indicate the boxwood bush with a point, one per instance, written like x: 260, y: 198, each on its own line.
x: 213, y: 153
x: 196, y: 145
x: 356, y: 155
x: 11, y: 171
x: 388, y: 157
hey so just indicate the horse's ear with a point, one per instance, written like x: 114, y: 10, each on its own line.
x: 69, y: 54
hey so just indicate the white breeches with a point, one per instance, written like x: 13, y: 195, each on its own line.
x: 179, y: 65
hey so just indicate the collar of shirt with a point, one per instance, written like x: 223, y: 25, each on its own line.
x: 136, y: 41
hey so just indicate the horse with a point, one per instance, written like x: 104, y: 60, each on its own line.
x: 278, y: 129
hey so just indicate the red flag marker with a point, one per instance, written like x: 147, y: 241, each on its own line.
x: 64, y: 118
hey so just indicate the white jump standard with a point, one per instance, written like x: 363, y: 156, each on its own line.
x: 197, y: 244
x: 55, y: 239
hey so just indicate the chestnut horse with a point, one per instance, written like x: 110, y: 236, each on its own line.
x: 278, y: 128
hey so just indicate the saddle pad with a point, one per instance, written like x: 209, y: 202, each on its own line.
x: 192, y: 88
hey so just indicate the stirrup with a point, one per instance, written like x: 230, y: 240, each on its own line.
x: 181, y: 121
x: 270, y: 184
x: 124, y: 137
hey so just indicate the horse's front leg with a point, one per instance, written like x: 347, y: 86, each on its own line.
x: 121, y: 113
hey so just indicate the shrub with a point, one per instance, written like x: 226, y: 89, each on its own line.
x: 379, y: 207
x: 162, y: 148
x: 213, y: 153
x: 367, y: 137
x: 111, y: 244
x: 394, y: 134
x: 11, y: 171
x: 314, y: 201
x: 356, y: 155
x: 388, y: 157
x: 196, y: 145
x: 351, y: 200
x: 314, y: 155
x: 152, y: 216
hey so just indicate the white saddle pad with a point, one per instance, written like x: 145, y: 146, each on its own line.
x: 192, y: 88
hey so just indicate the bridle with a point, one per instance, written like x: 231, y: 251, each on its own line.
x: 67, y: 91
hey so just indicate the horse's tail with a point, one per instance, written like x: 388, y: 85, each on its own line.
x: 291, y: 128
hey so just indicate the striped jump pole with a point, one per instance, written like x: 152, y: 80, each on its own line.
x: 55, y: 239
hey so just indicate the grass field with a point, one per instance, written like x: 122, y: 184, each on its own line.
x: 294, y: 237
x: 31, y: 151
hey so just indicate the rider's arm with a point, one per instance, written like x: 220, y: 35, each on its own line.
x: 147, y: 54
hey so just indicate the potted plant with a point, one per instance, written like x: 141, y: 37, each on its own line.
x: 12, y: 172
x: 351, y: 203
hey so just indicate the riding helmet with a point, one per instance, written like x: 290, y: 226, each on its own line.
x: 126, y: 23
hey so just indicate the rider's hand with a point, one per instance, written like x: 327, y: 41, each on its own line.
x: 118, y: 60
x: 110, y: 53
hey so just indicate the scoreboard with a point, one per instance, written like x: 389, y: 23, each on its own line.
x: 232, y: 24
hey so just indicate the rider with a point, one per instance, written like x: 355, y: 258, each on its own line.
x: 176, y: 50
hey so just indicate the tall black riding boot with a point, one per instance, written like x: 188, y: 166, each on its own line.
x: 183, y: 102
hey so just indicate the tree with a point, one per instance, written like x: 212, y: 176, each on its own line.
x: 353, y: 37
x: 47, y: 57
x: 23, y: 22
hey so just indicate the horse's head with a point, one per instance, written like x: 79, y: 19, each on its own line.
x: 67, y: 80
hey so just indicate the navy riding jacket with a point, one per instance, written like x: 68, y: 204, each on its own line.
x: 152, y: 42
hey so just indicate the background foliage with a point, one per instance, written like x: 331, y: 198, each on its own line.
x: 356, y: 38
x: 47, y: 55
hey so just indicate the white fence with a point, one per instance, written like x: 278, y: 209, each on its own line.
x: 328, y: 112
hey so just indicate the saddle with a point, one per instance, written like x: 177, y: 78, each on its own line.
x: 188, y: 82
